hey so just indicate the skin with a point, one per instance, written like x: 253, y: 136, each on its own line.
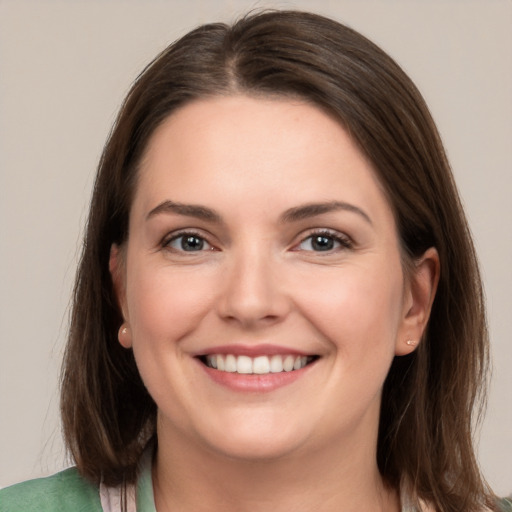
x: 259, y: 279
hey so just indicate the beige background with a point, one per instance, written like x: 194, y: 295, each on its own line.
x: 64, y: 69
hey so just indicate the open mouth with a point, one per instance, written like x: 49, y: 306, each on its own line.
x: 259, y: 365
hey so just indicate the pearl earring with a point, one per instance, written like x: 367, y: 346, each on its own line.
x: 411, y: 343
x: 124, y: 336
x: 123, y: 331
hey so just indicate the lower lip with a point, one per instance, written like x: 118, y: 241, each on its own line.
x: 254, y: 383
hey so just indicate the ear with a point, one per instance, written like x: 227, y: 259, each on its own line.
x: 116, y: 266
x: 420, y: 290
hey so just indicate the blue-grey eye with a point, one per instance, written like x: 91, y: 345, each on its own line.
x: 320, y: 243
x: 189, y: 243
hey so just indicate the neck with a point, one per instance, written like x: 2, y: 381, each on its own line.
x: 190, y: 478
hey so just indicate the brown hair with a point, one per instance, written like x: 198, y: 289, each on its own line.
x: 429, y: 397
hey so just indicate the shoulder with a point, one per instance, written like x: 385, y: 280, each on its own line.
x: 505, y: 505
x: 66, y: 490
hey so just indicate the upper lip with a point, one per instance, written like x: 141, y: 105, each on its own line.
x: 252, y: 350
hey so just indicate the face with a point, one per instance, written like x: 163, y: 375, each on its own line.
x: 261, y: 282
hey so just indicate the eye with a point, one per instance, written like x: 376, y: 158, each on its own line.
x: 188, y: 242
x: 323, y: 242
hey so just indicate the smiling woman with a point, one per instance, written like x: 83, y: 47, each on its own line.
x: 259, y: 276
x: 278, y: 304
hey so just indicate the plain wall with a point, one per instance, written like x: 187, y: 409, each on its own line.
x: 64, y: 69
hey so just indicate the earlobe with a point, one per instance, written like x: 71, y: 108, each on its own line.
x: 420, y: 294
x: 124, y: 336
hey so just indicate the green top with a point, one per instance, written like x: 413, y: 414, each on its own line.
x: 506, y: 504
x: 64, y: 491
x: 68, y: 491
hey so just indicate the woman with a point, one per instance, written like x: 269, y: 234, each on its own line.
x: 268, y: 310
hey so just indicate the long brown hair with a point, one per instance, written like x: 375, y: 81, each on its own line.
x: 430, y: 397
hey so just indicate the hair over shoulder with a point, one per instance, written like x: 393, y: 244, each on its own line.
x: 432, y: 397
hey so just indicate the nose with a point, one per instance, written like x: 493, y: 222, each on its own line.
x: 253, y: 293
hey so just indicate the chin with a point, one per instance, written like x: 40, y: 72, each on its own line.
x: 255, y: 443
x: 254, y: 450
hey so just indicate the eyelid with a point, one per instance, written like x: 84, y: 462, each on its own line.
x: 174, y: 235
x: 344, y: 240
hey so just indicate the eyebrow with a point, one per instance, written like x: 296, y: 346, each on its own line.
x: 187, y: 210
x: 291, y: 215
x: 313, y: 209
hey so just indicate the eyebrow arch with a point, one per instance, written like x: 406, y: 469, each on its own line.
x: 313, y: 209
x: 187, y: 210
x: 291, y: 215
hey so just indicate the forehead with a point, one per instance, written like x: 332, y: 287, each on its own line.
x: 237, y: 147
x: 263, y: 126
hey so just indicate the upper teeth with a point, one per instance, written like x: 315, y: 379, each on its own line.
x: 259, y: 365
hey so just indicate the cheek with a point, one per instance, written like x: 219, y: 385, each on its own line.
x: 356, y: 308
x: 167, y: 303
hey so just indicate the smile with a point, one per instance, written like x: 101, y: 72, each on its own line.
x: 259, y: 365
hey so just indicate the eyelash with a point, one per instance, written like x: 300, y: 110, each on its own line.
x: 166, y: 242
x: 343, y: 241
